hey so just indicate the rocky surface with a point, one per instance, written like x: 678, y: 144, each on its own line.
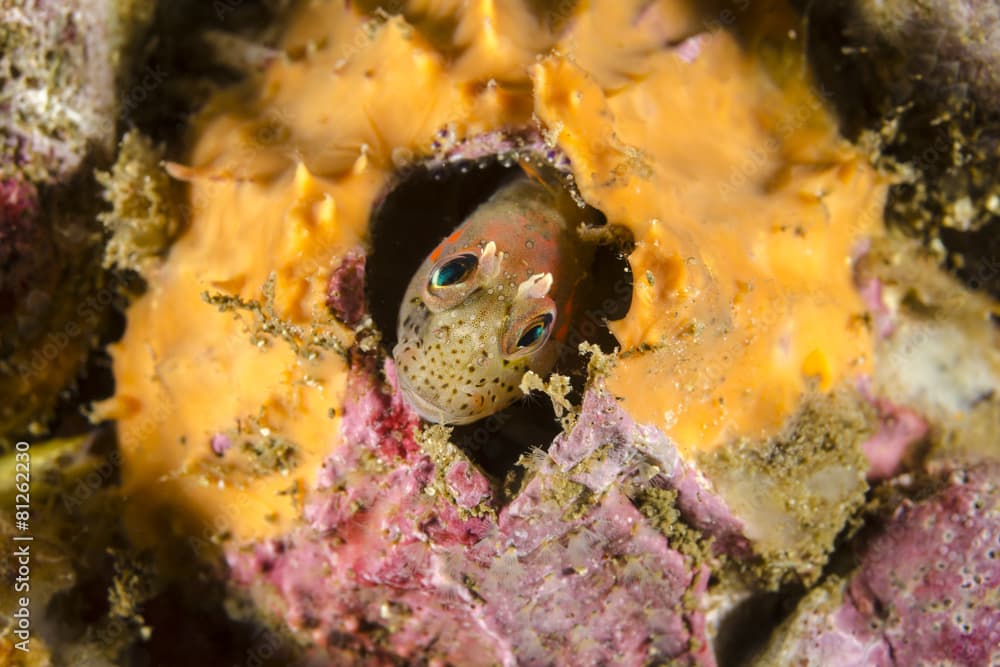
x: 63, y: 67
x: 418, y: 558
x: 926, y: 590
x: 931, y: 114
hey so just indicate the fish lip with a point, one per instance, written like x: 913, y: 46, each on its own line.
x: 423, y: 407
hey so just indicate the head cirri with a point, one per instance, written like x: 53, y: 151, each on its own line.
x: 486, y: 304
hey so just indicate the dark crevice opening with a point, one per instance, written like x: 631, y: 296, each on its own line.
x: 745, y: 630
x: 422, y: 207
x: 873, y: 83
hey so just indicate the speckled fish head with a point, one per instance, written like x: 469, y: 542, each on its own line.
x: 478, y: 313
x: 468, y: 332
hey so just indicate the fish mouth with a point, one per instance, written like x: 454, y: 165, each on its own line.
x: 425, y: 408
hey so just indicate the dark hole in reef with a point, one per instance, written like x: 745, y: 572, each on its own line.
x: 744, y: 631
x: 980, y: 251
x: 422, y: 208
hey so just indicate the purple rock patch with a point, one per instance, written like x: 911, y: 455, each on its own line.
x: 345, y: 292
x: 392, y: 565
x: 931, y: 581
x: 882, y: 317
x: 603, y: 423
x: 220, y: 443
x: 898, y: 430
x: 927, y: 590
x: 26, y: 255
x: 18, y: 201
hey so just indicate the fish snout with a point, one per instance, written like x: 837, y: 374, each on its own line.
x: 434, y: 406
x: 440, y: 392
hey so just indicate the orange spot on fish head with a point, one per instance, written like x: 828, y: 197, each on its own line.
x: 451, y: 238
x: 566, y: 315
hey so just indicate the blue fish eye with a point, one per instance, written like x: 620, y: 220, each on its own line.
x: 454, y: 271
x: 535, y: 331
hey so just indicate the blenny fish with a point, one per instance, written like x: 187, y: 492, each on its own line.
x: 491, y: 301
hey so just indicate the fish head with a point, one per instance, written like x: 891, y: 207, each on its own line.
x: 469, y: 329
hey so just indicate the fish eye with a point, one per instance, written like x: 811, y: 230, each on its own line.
x: 453, y: 271
x: 535, y: 331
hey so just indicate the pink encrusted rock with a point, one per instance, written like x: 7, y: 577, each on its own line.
x: 898, y: 430
x: 899, y: 427
x: 937, y: 567
x: 345, y: 292
x: 221, y: 443
x: 882, y: 316
x: 378, y: 419
x: 604, y: 424
x: 387, y: 567
x: 62, y: 69
x: 926, y: 591
x: 18, y: 201
x: 58, y: 98
x: 505, y: 144
x: 468, y: 487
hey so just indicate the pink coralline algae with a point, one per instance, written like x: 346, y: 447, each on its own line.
x: 467, y: 487
x: 927, y: 590
x: 346, y: 289
x: 60, y: 68
x: 882, y: 317
x: 18, y: 200
x: 24, y: 246
x: 603, y: 424
x: 221, y: 443
x: 898, y: 430
x: 418, y: 561
x: 506, y: 144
